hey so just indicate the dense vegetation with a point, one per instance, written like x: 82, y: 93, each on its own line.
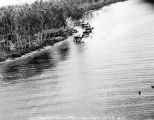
x: 33, y: 18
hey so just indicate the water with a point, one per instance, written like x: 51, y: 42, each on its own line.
x: 96, y: 80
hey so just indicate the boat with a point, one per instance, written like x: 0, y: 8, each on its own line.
x: 85, y: 25
x: 86, y: 32
x: 78, y: 39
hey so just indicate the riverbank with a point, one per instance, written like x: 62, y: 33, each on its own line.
x: 59, y: 35
x: 97, y: 5
x: 63, y: 34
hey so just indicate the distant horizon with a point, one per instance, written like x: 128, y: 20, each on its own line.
x: 15, y: 2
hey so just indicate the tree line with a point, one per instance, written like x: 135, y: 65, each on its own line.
x: 31, y: 19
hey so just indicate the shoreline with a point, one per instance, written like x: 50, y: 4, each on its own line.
x: 86, y: 7
x: 97, y: 5
x: 65, y: 33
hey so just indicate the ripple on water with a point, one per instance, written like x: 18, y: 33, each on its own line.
x: 97, y: 80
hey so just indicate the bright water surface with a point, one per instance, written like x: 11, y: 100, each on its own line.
x: 99, y: 79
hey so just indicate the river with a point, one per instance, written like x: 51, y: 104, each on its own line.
x: 97, y: 80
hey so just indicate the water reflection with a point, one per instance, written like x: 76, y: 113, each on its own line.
x: 35, y: 66
x: 64, y: 50
x: 100, y: 78
x: 80, y: 48
x: 149, y: 1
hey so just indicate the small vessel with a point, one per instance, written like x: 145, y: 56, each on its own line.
x: 89, y: 29
x: 86, y: 32
x: 78, y: 39
x: 85, y: 25
x: 152, y: 86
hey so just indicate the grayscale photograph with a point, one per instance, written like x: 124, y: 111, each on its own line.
x: 76, y: 59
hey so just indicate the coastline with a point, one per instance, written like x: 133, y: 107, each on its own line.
x: 84, y: 8
x: 97, y: 5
